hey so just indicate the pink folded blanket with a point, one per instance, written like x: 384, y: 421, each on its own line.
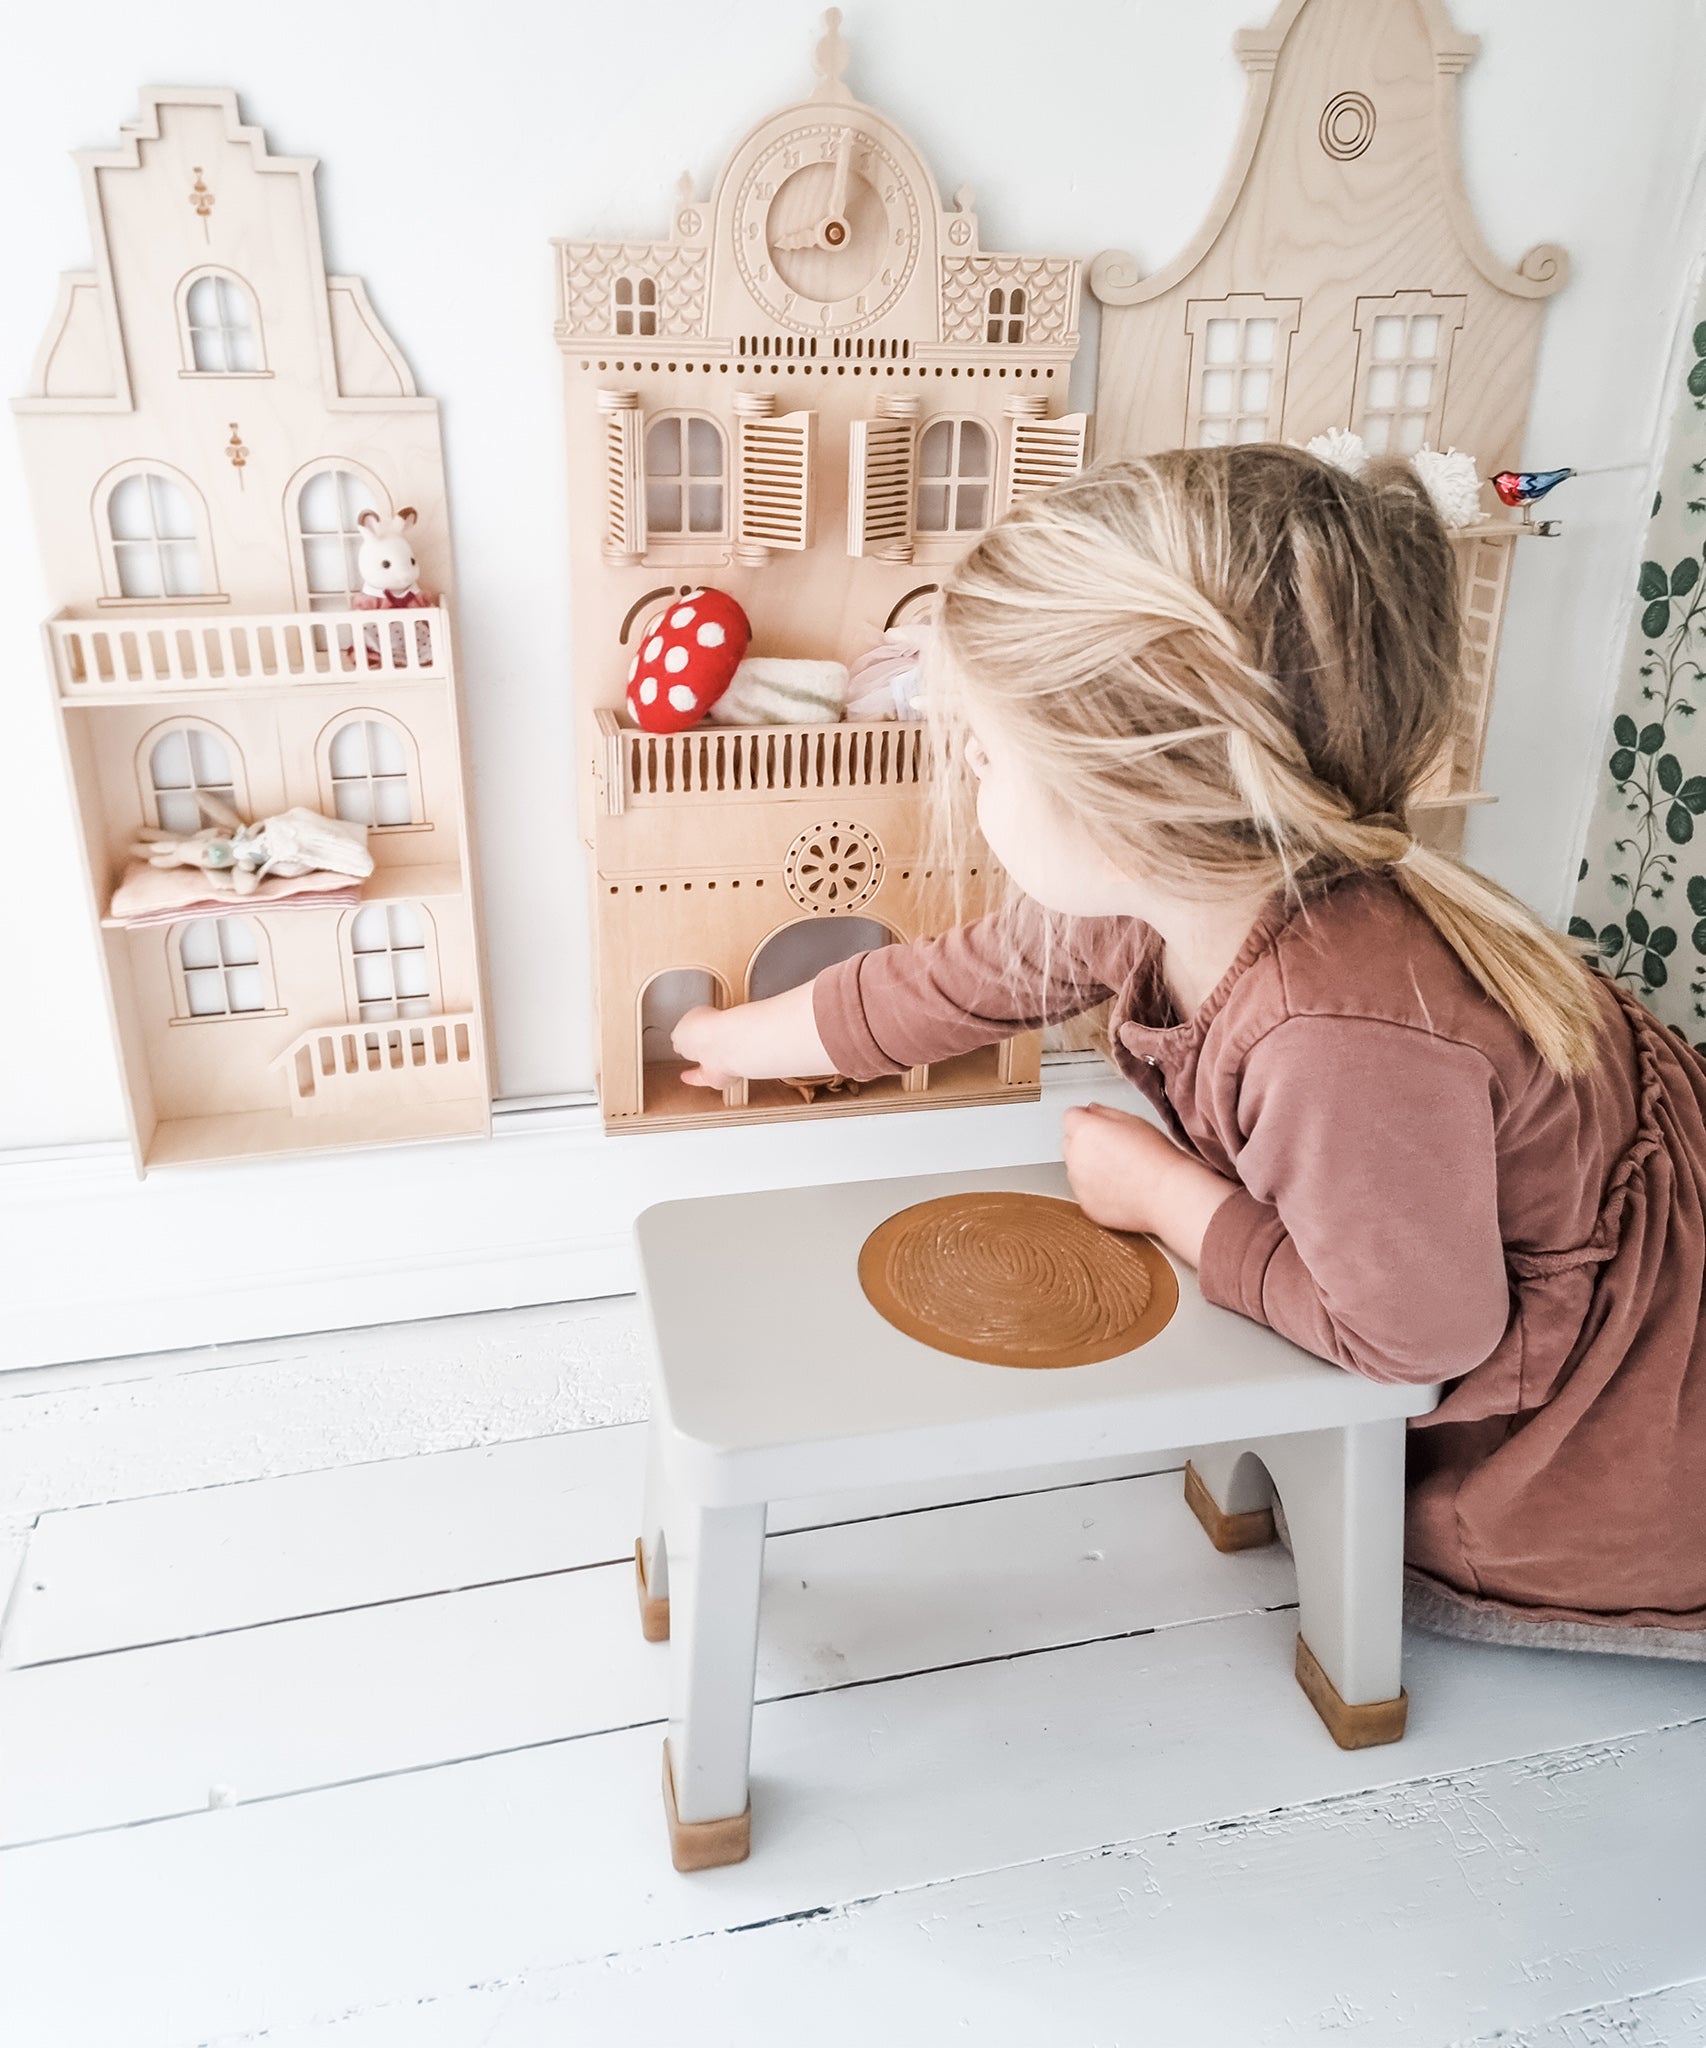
x: 148, y: 895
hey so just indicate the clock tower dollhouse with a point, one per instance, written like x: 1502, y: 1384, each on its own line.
x: 815, y: 393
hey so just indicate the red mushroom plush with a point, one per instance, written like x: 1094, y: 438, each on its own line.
x: 687, y: 653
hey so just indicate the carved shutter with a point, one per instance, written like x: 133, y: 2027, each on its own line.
x: 624, y: 477
x: 1044, y: 451
x: 774, y: 459
x: 881, y: 471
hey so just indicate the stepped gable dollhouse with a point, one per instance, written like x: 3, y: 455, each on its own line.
x: 1340, y: 281
x: 816, y: 420
x: 209, y: 418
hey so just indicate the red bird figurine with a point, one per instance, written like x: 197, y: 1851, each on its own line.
x: 1525, y: 486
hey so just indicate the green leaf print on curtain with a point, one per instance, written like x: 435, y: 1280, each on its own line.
x: 1641, y: 892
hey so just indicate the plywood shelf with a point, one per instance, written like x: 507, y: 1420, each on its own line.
x: 972, y: 1078
x: 422, y: 882
x: 272, y: 1134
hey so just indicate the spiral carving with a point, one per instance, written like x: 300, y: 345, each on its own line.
x: 1018, y: 1280
x: 1115, y: 276
x: 1545, y: 263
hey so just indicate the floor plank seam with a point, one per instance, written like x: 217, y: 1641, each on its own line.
x: 406, y: 1457
x: 623, y: 1727
x: 623, y: 1559
x: 539, y: 1982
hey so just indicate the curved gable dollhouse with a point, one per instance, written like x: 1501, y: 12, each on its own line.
x: 209, y: 417
x: 1340, y: 280
x: 817, y: 425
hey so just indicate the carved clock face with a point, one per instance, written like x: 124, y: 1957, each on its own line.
x: 826, y: 228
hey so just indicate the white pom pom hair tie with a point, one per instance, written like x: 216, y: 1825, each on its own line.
x: 1450, y: 478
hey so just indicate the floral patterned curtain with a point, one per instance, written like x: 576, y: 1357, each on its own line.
x: 1641, y: 893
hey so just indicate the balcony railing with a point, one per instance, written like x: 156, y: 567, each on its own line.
x: 160, y: 653
x: 337, y: 1065
x: 718, y: 763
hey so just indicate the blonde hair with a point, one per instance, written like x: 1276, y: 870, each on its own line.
x: 1234, y: 666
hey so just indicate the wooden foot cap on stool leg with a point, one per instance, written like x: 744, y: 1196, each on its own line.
x: 654, y: 1614
x: 704, y: 1844
x: 1226, y: 1532
x: 1364, y: 1727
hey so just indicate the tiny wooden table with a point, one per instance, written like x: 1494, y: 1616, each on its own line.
x: 774, y: 1377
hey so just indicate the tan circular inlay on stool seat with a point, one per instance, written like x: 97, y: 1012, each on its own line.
x: 1010, y: 1279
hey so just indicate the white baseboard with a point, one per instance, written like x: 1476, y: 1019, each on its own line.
x: 98, y: 1264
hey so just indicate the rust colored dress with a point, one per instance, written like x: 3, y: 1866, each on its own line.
x: 1420, y: 1198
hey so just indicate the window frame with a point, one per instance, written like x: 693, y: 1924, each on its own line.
x: 429, y: 951
x: 684, y: 538
x: 327, y: 782
x: 108, y: 543
x: 960, y: 537
x: 179, y: 974
x: 1449, y: 309
x: 639, y: 307
x: 187, y: 330
x: 1005, y: 316
x: 1241, y: 307
x: 148, y: 791
x: 299, y: 537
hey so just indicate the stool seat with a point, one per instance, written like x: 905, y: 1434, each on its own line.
x: 778, y: 1378
x: 774, y: 1377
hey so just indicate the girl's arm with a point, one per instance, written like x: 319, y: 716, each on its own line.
x: 910, y: 1005
x: 1366, y: 1228
x: 767, y: 1041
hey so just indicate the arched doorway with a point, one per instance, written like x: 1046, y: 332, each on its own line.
x: 664, y: 1001
x: 801, y: 950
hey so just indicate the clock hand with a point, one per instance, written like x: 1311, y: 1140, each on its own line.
x: 838, y: 191
x: 800, y: 238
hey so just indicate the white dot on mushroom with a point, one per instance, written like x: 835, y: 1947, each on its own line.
x: 684, y: 617
x: 654, y: 648
x: 649, y: 690
x: 710, y: 634
x: 675, y: 660
x: 682, y: 698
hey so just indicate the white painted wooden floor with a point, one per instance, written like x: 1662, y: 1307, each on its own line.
x: 325, y: 1721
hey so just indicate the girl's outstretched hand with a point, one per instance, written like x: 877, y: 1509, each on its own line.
x: 763, y: 1041
x: 1127, y: 1175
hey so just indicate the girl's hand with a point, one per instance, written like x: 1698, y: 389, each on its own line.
x: 1127, y: 1175
x: 764, y: 1041
x: 703, y: 1039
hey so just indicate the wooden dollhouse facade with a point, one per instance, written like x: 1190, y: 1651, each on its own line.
x: 1340, y: 281
x: 813, y: 393
x: 209, y: 416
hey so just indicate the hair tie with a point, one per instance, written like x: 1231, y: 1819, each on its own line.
x: 1404, y: 859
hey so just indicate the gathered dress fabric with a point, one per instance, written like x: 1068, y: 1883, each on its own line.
x: 1420, y: 1198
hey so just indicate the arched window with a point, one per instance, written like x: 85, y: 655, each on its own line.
x: 372, y: 773
x: 635, y: 305
x: 956, y: 473
x: 154, y: 542
x: 328, y: 506
x: 797, y: 952
x: 221, y: 326
x: 1005, y: 320
x: 185, y: 763
x: 221, y: 972
x: 389, y: 959
x: 687, y: 468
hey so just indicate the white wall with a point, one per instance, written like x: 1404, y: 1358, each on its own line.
x: 457, y: 139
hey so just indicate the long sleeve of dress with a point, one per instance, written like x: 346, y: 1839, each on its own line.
x: 1366, y: 1227
x: 909, y: 1005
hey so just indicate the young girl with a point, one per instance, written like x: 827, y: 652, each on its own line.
x: 1409, y: 1129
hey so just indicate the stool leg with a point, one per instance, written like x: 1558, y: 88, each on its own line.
x: 1228, y: 1489
x: 1343, y: 1492
x: 651, y: 1552
x: 716, y: 1558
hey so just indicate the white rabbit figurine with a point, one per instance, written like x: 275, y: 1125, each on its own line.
x: 391, y: 582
